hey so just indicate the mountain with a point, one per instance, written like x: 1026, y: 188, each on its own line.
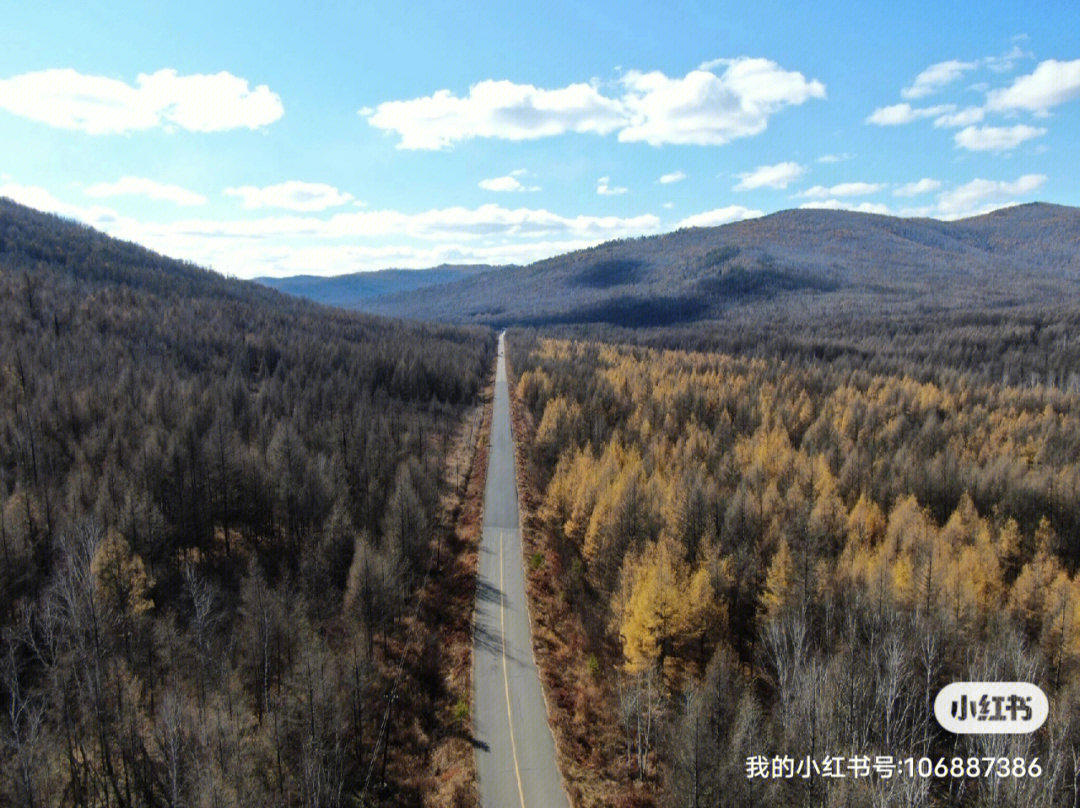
x: 182, y: 454
x: 809, y: 259
x: 350, y: 291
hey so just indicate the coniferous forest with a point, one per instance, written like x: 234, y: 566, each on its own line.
x: 232, y: 569
x: 217, y: 506
x: 786, y: 554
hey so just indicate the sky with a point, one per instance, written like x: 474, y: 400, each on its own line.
x: 331, y: 137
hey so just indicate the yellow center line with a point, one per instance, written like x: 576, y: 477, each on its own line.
x: 506, y: 677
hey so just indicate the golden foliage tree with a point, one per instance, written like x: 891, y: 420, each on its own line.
x: 122, y: 581
x: 664, y: 607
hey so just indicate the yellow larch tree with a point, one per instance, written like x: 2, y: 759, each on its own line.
x: 663, y: 607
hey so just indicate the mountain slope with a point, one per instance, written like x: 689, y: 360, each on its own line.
x: 191, y: 466
x: 349, y: 291
x: 809, y: 258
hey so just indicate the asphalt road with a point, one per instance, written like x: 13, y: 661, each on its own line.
x: 515, y: 753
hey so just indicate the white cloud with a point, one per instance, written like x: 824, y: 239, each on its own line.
x: 701, y: 108
x: 41, y: 199
x: 834, y: 158
x: 508, y: 182
x: 719, y: 216
x: 995, y: 138
x: 964, y: 117
x: 898, y: 114
x: 706, y: 109
x: 981, y: 195
x: 291, y: 195
x: 674, y: 176
x: 935, y: 77
x: 842, y: 189
x: 354, y: 240
x: 840, y: 204
x: 1051, y: 83
x: 923, y: 186
x: 141, y: 186
x: 497, y: 109
x: 779, y: 175
x: 483, y: 222
x: 604, y: 187
x: 99, y: 105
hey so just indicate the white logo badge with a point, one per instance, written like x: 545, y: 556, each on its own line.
x: 991, y: 708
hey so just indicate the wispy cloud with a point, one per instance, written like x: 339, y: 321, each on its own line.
x: 674, y: 176
x: 842, y: 189
x: 605, y: 188
x: 101, y: 105
x: 291, y: 195
x: 779, y: 175
x: 903, y: 113
x: 935, y: 77
x: 508, y: 183
x: 141, y: 186
x: 923, y: 186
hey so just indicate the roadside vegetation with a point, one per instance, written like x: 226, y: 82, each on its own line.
x: 770, y: 556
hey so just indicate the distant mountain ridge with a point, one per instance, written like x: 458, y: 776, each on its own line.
x: 350, y: 291
x: 806, y: 257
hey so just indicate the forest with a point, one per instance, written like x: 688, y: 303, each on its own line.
x: 765, y: 551
x: 219, y: 510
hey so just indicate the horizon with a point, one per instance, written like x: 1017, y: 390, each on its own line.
x: 336, y: 141
x: 585, y: 248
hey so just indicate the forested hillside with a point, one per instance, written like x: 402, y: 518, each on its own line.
x: 791, y: 556
x: 353, y: 290
x: 217, y: 507
x: 796, y: 262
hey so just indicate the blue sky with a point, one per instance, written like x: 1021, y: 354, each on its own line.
x: 333, y: 137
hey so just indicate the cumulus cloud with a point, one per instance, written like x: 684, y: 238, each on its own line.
x: 100, y: 105
x: 779, y: 175
x: 1051, y: 83
x: 995, y: 138
x: 935, y: 77
x: 291, y: 195
x: 719, y: 216
x: 604, y: 187
x: 981, y: 195
x: 674, y: 176
x: 497, y: 109
x: 899, y: 114
x: 704, y: 107
x: 941, y: 74
x: 141, y: 186
x: 508, y: 182
x: 842, y: 189
x: 923, y: 186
